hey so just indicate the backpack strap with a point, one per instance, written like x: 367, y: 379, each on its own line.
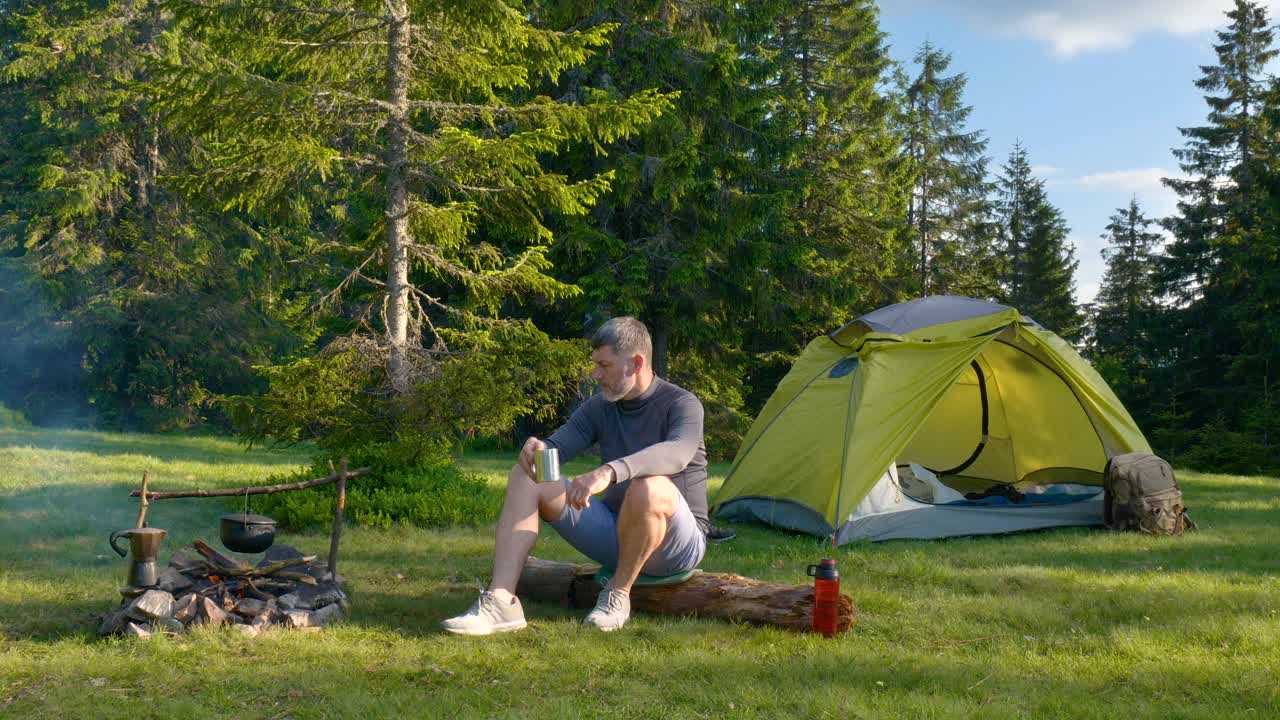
x: 1188, y: 522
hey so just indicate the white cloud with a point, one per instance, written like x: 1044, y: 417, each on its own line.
x: 1087, y: 292
x: 1071, y: 27
x: 1140, y: 179
x: 1044, y: 171
x: 1143, y: 183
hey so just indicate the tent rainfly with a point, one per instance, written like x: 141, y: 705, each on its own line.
x: 937, y: 417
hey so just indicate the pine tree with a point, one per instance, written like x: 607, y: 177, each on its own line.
x: 1127, y: 308
x: 1014, y: 208
x: 1040, y: 265
x: 651, y: 244
x: 764, y: 210
x: 844, y: 184
x: 1215, y: 267
x: 949, y: 166
x: 419, y: 108
x: 116, y: 279
x: 1127, y: 297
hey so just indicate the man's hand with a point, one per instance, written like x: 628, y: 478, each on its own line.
x: 578, y: 496
x: 528, y: 453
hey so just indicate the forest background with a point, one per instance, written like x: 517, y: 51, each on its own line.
x: 387, y: 226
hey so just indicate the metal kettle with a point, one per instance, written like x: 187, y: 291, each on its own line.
x: 144, y: 550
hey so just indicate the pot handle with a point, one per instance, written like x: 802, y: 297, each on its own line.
x: 116, y: 547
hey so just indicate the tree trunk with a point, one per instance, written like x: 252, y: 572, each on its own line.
x: 397, y: 310
x: 714, y: 595
x: 661, y: 333
x: 146, y: 144
x: 924, y: 234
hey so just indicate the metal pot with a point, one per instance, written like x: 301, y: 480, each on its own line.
x: 244, y: 532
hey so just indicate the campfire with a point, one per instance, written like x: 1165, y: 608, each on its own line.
x: 286, y: 589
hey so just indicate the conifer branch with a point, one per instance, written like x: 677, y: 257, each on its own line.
x: 417, y: 170
x: 441, y: 107
x: 341, y: 38
x: 330, y: 43
x: 291, y: 8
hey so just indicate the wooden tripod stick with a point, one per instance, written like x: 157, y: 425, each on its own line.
x: 339, y: 510
x: 144, y: 503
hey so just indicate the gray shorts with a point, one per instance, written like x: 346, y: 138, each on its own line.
x: 593, y: 531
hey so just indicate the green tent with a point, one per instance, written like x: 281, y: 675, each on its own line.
x: 932, y: 418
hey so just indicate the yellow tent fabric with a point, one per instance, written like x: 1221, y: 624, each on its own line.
x: 861, y: 399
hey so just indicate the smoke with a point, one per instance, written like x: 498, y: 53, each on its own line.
x: 40, y: 357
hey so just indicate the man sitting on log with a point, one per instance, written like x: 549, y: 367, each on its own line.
x: 652, y: 516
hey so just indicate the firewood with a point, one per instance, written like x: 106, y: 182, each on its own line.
x: 274, y: 567
x: 716, y: 595
x: 295, y: 576
x: 217, y: 558
x: 253, y: 591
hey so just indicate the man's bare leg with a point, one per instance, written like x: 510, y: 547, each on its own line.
x: 518, y: 527
x: 642, y: 524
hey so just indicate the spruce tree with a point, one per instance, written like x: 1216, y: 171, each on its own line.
x: 649, y: 247
x: 843, y: 182
x: 1216, y: 265
x: 1040, y: 264
x: 1017, y: 190
x: 1126, y: 299
x: 949, y: 166
x: 115, y: 280
x: 406, y: 136
x: 1126, y: 308
x: 763, y: 210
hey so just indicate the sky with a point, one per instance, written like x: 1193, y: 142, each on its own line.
x: 1094, y: 89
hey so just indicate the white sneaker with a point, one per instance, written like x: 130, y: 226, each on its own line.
x: 611, y: 612
x: 488, y: 615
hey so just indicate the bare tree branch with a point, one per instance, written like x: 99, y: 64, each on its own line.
x: 335, y: 295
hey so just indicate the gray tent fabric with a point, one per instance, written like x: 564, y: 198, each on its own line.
x: 777, y: 512
x: 888, y: 513
x: 928, y: 522
x: 909, y: 316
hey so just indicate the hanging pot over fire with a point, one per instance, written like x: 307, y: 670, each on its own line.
x: 244, y: 532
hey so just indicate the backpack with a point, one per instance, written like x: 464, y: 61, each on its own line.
x: 1140, y: 493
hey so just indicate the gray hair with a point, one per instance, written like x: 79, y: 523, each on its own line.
x: 626, y: 335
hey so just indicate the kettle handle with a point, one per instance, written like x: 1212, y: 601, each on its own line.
x: 116, y: 547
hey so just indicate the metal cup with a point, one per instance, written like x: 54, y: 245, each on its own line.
x: 546, y: 465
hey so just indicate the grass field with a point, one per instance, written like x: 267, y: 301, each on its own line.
x: 1062, y: 624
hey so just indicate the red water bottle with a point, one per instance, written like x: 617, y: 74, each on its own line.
x: 826, y: 596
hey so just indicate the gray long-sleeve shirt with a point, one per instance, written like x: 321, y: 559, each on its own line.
x: 658, y: 433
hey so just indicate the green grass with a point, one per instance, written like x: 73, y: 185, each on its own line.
x: 1062, y: 624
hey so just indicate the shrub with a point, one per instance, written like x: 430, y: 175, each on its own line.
x: 341, y: 398
x: 1220, y: 448
x: 13, y: 419
x: 720, y: 389
x: 426, y: 489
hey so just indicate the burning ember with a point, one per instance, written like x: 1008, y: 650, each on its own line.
x: 285, y: 589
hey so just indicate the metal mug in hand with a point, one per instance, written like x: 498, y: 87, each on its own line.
x: 546, y: 465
